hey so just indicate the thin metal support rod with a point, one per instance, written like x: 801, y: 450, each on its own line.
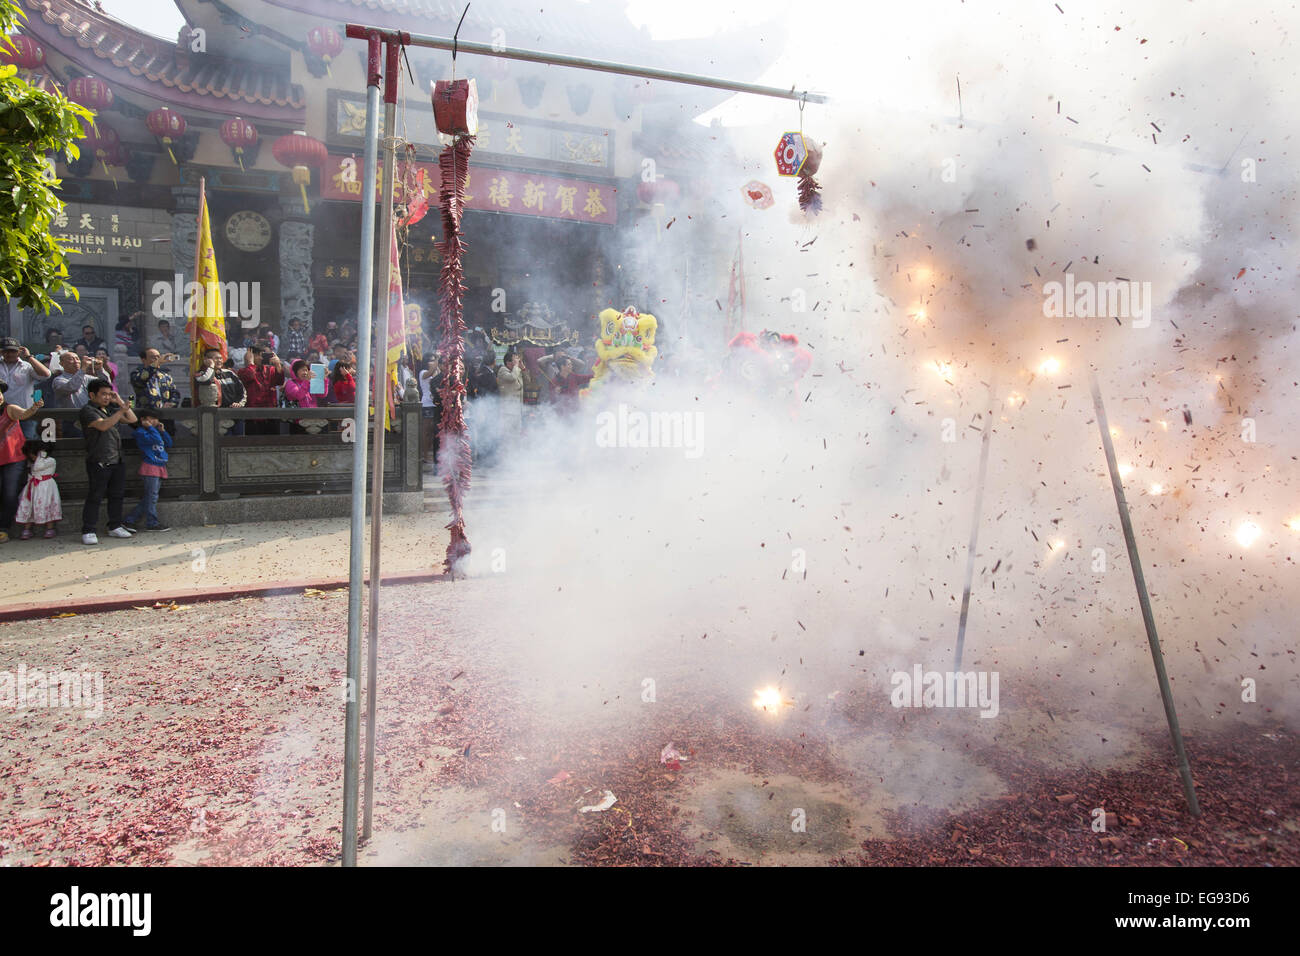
x: 583, y: 63
x: 356, y: 554
x: 1144, y: 599
x: 381, y: 403
x: 974, y: 530
x: 380, y: 378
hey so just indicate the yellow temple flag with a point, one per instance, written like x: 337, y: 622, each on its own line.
x: 206, y: 324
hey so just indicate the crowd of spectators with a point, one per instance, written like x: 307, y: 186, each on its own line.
x: 260, y: 370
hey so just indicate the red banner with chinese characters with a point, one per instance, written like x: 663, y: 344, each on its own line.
x: 490, y: 190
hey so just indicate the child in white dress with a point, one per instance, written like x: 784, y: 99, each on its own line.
x: 40, y: 502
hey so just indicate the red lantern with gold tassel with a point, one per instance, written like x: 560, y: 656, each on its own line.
x: 300, y: 153
x: 326, y: 43
x: 103, y: 141
x: 239, y: 135
x: 166, y: 125
x: 91, y: 92
x: 23, y: 52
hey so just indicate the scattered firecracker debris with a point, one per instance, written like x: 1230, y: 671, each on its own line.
x: 220, y: 743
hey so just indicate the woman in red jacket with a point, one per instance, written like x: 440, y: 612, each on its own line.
x: 343, y: 383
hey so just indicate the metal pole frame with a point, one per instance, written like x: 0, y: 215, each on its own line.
x: 402, y: 38
x: 381, y: 406
x: 365, y: 282
x: 975, y: 529
x: 1144, y: 600
x: 393, y: 41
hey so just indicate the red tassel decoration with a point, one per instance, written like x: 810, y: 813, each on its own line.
x: 454, y: 458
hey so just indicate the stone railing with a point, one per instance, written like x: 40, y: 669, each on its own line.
x: 208, y: 463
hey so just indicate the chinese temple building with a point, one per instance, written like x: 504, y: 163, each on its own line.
x: 574, y: 181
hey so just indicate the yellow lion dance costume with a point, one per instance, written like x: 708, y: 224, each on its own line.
x: 625, y: 348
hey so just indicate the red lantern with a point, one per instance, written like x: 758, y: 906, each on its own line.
x: 659, y: 191
x: 239, y: 135
x: 91, y: 92
x: 326, y: 43
x: 455, y: 107
x: 166, y: 125
x: 23, y: 52
x: 299, y: 152
x: 104, y: 142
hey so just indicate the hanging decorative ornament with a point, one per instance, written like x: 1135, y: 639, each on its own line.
x: 299, y: 152
x: 799, y: 156
x: 239, y: 135
x: 658, y: 191
x: 167, y: 125
x: 414, y: 193
x: 23, y: 52
x: 455, y: 107
x: 757, y: 194
x: 326, y: 43
x: 104, y: 142
x: 91, y: 92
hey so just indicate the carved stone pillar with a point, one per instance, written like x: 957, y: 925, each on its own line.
x: 185, y: 230
x: 297, y: 295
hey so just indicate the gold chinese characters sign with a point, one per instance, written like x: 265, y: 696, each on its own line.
x: 491, y: 190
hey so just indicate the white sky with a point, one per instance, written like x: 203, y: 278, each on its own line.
x: 667, y: 19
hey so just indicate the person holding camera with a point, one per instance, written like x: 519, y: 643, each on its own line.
x: 261, y: 379
x: 21, y: 371
x: 105, y: 469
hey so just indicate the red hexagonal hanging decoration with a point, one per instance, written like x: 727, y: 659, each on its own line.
x: 790, y: 154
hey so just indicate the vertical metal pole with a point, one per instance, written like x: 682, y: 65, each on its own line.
x: 365, y: 279
x: 1148, y: 618
x: 391, y: 75
x: 974, y: 530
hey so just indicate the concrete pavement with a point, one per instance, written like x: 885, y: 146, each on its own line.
x: 208, y: 558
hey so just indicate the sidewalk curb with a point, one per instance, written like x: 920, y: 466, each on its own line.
x: 28, y: 612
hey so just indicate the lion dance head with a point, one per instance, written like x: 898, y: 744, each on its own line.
x: 625, y: 347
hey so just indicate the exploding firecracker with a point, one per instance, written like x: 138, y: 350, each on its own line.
x: 454, y: 458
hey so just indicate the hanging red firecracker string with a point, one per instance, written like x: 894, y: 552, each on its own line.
x: 455, y: 110
x: 810, y: 199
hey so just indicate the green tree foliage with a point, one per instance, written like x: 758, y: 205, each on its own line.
x: 34, y: 125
